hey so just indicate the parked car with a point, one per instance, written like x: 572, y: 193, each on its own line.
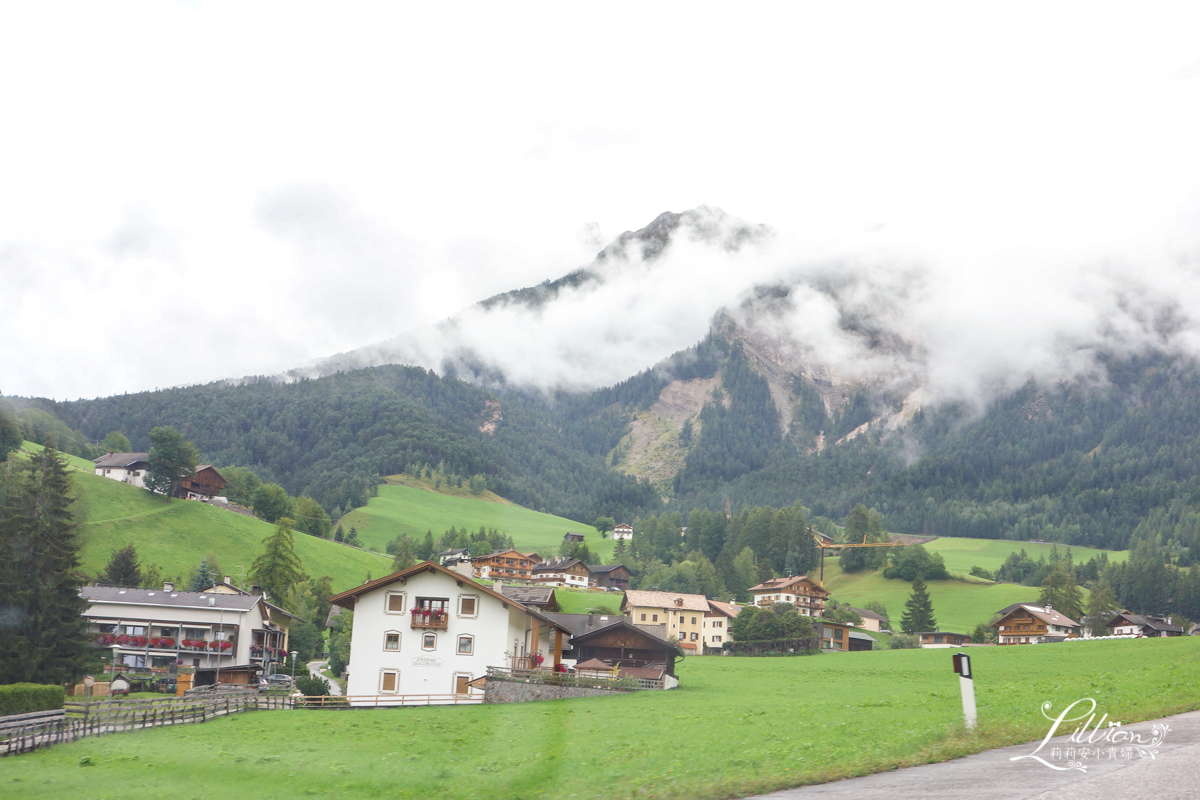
x: 280, y: 680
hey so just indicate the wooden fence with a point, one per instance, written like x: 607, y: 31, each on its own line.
x: 389, y: 700
x: 25, y: 732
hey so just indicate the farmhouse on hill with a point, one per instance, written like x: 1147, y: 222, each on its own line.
x: 504, y: 565
x: 203, y: 484
x: 1033, y: 624
x: 943, y: 639
x: 622, y: 531
x: 799, y: 590
x: 427, y: 631
x: 605, y: 576
x: 125, y: 467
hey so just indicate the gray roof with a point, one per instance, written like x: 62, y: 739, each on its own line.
x: 556, y: 564
x: 528, y: 595
x: 860, y: 635
x: 121, y: 459
x: 576, y: 624
x: 867, y: 613
x: 157, y: 597
x: 1146, y: 621
x: 604, y: 567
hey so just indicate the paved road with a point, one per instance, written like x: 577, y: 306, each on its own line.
x: 1173, y: 774
x: 314, y: 669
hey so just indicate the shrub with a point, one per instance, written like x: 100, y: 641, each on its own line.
x: 312, y: 686
x: 24, y: 698
x: 904, y: 641
x: 775, y: 647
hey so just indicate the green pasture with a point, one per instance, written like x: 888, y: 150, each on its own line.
x: 962, y: 554
x: 579, y: 602
x: 958, y: 605
x: 415, y: 509
x: 776, y: 722
x: 177, y: 534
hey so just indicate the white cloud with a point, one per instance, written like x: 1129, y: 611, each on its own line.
x: 453, y: 153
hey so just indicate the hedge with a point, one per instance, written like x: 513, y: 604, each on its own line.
x: 24, y: 698
x: 774, y: 647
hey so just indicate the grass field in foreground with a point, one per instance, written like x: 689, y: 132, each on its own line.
x: 776, y: 722
x: 962, y: 554
x: 415, y: 510
x: 958, y: 606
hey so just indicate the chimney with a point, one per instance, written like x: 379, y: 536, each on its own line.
x: 256, y: 589
x: 1048, y: 608
x: 498, y: 585
x: 229, y: 580
x: 212, y: 601
x: 168, y: 587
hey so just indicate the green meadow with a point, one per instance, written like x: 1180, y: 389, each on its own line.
x: 416, y: 508
x: 176, y: 534
x: 962, y: 554
x: 958, y: 605
x: 579, y: 602
x: 735, y: 726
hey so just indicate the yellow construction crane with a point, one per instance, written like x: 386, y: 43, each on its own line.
x: 831, y: 545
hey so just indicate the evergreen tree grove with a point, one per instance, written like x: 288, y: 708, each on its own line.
x: 918, y: 610
x: 43, y: 634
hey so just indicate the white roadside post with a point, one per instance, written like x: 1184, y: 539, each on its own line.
x: 966, y: 682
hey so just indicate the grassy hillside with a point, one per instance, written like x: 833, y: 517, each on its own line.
x: 416, y: 508
x: 962, y: 554
x: 778, y: 722
x: 177, y: 534
x: 957, y: 605
x: 570, y: 602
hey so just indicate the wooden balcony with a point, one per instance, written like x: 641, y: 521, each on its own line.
x: 433, y: 621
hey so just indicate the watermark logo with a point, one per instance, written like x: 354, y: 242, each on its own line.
x: 1092, y: 741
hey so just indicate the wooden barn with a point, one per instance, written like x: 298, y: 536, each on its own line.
x: 204, y: 484
x: 624, y: 644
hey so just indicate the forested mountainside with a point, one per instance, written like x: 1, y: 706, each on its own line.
x: 1071, y: 463
x: 329, y: 437
x: 1076, y: 464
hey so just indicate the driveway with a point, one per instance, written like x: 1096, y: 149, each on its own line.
x: 314, y: 669
x: 1172, y: 773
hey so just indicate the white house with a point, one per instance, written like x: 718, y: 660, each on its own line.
x: 623, y: 531
x: 126, y: 467
x: 152, y: 628
x: 428, y: 631
x: 716, y: 624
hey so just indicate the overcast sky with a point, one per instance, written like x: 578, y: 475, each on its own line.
x: 194, y: 191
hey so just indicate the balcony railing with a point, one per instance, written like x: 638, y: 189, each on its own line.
x: 435, y: 619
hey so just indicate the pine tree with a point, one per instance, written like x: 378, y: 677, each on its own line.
x: 918, y: 610
x: 404, y: 557
x: 206, y: 575
x: 123, y: 569
x: 1102, y: 604
x: 278, y: 567
x: 44, y: 639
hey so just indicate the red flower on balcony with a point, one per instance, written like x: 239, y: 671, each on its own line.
x: 226, y: 645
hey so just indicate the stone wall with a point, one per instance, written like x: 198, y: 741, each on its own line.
x: 516, y: 692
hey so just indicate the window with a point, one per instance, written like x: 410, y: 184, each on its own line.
x: 643, y: 617
x: 466, y: 645
x: 395, y: 602
x: 695, y: 636
x: 467, y: 606
x: 140, y: 630
x: 429, y: 641
x: 389, y: 681
x: 435, y: 603
x: 654, y: 618
x: 716, y: 638
x: 391, y: 640
x: 693, y: 620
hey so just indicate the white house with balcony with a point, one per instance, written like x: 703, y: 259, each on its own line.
x: 425, y: 633
x: 153, y: 628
